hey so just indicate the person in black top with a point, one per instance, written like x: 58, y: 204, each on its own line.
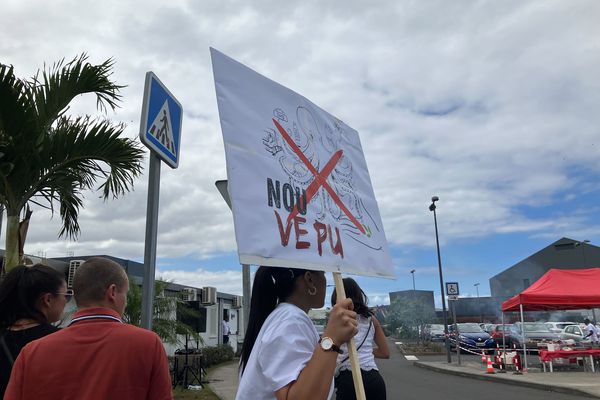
x: 31, y: 298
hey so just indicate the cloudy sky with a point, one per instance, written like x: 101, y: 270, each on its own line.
x: 492, y: 106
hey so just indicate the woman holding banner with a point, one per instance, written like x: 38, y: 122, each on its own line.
x: 282, y: 356
x: 369, y: 333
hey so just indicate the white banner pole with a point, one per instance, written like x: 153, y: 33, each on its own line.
x: 359, y: 388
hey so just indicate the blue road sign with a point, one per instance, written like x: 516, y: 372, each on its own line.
x: 162, y: 114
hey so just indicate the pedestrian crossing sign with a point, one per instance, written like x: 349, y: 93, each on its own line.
x: 162, y: 114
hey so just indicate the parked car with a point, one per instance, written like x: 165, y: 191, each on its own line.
x: 502, y: 331
x: 574, y: 332
x: 487, y: 327
x: 472, y: 337
x: 535, y: 332
x: 435, y: 333
x: 558, y: 327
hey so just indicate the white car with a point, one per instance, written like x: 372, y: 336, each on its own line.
x: 558, y: 327
x: 574, y: 332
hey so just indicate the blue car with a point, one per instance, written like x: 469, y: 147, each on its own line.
x: 471, y: 337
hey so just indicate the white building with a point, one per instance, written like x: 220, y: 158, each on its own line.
x: 211, y: 304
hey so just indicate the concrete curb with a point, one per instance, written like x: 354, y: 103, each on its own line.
x: 506, y: 379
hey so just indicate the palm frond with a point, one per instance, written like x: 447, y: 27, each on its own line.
x: 70, y: 201
x: 63, y: 82
x: 77, y: 155
x: 16, y: 114
x: 47, y: 157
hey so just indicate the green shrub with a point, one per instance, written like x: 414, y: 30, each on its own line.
x: 212, y: 355
x: 387, y: 331
x: 436, y: 347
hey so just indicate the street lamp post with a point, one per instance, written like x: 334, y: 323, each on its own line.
x: 478, y: 305
x: 412, y: 271
x: 432, y: 207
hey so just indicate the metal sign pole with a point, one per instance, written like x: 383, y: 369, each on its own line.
x: 504, y: 339
x: 222, y: 188
x: 456, y: 331
x: 150, y: 242
x: 160, y: 131
x: 246, y: 294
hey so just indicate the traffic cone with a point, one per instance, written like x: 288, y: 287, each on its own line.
x: 490, y: 367
x: 483, y: 357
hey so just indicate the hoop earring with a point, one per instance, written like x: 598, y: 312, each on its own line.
x: 312, y: 291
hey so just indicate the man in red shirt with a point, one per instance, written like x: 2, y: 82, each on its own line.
x: 97, y: 356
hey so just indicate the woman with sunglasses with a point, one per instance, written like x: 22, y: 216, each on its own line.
x: 31, y: 298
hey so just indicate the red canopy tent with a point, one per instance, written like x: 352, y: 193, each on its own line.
x: 559, y: 289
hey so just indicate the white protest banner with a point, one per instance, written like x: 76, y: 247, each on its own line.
x: 298, y: 180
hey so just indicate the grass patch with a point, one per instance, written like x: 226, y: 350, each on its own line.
x: 421, y: 347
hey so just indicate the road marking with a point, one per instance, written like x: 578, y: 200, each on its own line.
x: 411, y: 358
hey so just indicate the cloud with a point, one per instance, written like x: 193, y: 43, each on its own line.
x: 378, y: 299
x: 491, y: 106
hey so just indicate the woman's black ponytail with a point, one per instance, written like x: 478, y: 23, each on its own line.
x: 358, y: 296
x: 271, y: 286
x: 21, y: 288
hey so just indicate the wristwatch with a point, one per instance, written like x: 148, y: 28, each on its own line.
x: 327, y: 345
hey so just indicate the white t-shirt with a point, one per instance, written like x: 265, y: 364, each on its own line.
x: 366, y: 359
x: 226, y: 329
x: 285, y: 344
x: 591, y: 328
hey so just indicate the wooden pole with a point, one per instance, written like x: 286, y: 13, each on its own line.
x: 359, y: 388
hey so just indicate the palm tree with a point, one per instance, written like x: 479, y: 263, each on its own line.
x: 166, y: 309
x: 49, y: 158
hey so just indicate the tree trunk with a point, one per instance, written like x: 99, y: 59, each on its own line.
x: 11, y: 255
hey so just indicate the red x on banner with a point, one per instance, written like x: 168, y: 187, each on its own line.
x: 320, y: 178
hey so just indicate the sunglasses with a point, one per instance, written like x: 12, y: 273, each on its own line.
x: 68, y: 294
